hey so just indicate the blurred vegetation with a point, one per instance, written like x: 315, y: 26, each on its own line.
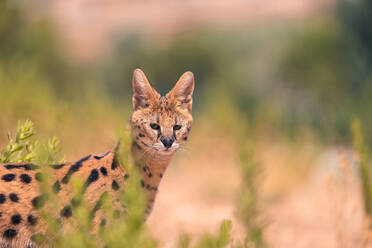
x: 364, y: 164
x: 285, y: 78
x: 122, y: 231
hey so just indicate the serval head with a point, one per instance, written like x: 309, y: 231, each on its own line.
x: 161, y: 124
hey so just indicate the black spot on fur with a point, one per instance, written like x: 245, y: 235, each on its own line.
x: 126, y: 176
x: 66, y: 212
x: 57, y: 166
x: 138, y: 146
x: 56, y: 187
x: 39, y: 176
x: 13, y: 197
x: 39, y: 201
x: 103, y: 171
x: 92, y: 177
x: 2, y: 198
x: 143, y: 143
x: 98, y: 205
x: 141, y: 135
x: 8, y: 177
x: 10, y: 233
x: 115, y: 161
x: 21, y: 166
x: 1, y: 214
x: 161, y: 175
x: 149, y: 187
x: 150, y: 174
x: 185, y: 138
x: 74, y: 168
x: 142, y: 183
x: 103, y: 222
x: 25, y: 178
x: 98, y: 157
x: 32, y: 220
x: 16, y: 219
x: 114, y: 185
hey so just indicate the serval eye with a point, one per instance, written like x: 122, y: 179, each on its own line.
x: 155, y: 126
x: 176, y: 127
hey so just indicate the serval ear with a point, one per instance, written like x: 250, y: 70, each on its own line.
x: 181, y: 94
x: 143, y: 93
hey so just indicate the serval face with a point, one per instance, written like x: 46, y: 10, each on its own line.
x: 161, y: 124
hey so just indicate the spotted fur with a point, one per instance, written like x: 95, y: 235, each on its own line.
x: 21, y: 199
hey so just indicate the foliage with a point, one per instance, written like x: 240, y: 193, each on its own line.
x: 364, y: 165
x: 355, y: 18
x: 20, y: 148
x: 316, y: 68
x: 248, y: 207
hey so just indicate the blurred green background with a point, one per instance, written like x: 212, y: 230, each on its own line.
x: 283, y: 78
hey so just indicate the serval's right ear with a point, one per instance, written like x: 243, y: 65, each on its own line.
x: 143, y: 93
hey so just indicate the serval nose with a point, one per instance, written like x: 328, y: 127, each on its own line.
x: 167, y: 142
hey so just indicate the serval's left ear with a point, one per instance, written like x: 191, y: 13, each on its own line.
x: 181, y: 94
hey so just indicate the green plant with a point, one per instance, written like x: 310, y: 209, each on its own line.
x: 21, y: 147
x: 364, y: 165
x: 248, y: 206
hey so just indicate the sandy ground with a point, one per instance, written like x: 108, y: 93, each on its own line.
x: 325, y: 211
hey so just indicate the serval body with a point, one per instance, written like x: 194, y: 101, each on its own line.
x: 160, y: 125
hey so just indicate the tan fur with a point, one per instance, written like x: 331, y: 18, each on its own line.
x: 101, y: 173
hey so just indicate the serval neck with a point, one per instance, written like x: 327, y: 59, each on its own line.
x: 152, y: 166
